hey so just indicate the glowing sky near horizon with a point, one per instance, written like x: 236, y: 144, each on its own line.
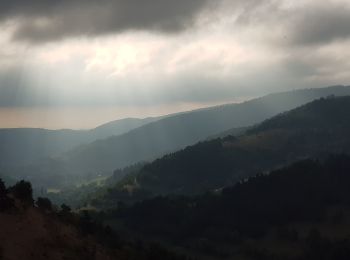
x: 77, y: 64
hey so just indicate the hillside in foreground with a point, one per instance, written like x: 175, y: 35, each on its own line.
x: 300, y: 212
x: 43, y: 231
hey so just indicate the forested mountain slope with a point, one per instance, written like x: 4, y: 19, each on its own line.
x: 299, y: 212
x: 175, y: 132
x: 313, y: 130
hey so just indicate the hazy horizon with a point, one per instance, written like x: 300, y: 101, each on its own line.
x: 59, y: 118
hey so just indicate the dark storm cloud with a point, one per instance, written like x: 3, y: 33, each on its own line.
x: 39, y: 20
x: 51, y: 20
x: 318, y: 25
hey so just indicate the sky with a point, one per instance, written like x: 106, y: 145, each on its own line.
x: 80, y: 63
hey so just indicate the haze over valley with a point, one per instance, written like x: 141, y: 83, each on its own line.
x: 174, y: 130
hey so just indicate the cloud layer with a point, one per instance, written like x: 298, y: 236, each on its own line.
x: 38, y: 21
x: 321, y: 24
x: 308, y: 22
x: 133, y: 53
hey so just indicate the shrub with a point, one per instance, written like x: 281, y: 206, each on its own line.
x: 65, y: 209
x: 2, y: 189
x: 6, y: 203
x: 23, y: 191
x: 44, y: 204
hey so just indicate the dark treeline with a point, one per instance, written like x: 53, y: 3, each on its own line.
x: 325, y: 113
x: 301, y: 193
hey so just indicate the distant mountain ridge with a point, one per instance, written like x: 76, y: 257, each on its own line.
x: 20, y: 146
x: 316, y: 129
x: 175, y: 132
x: 121, y: 126
x: 165, y: 135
